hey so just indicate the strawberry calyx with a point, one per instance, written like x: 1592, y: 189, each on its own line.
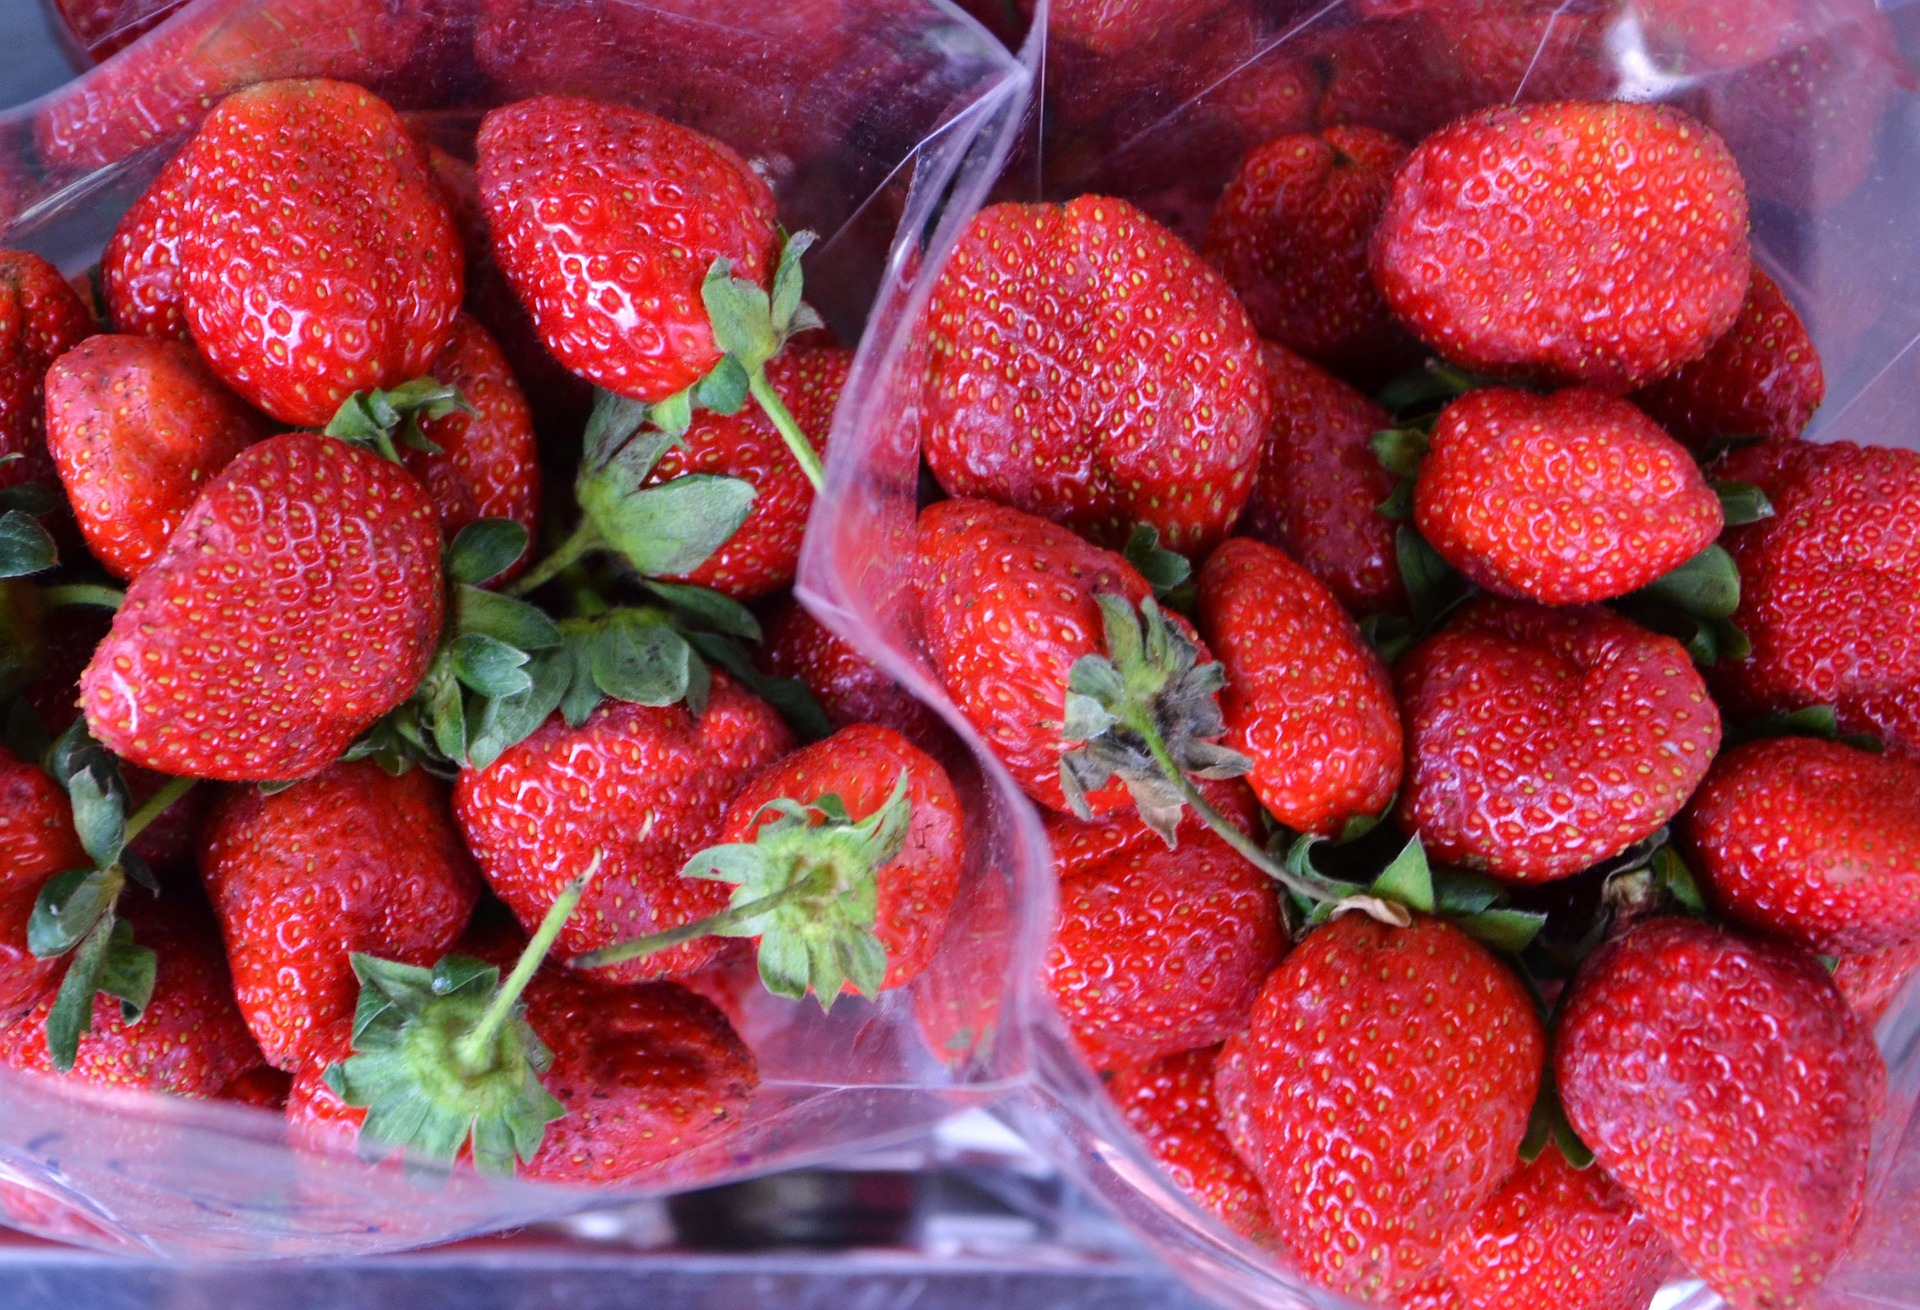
x: 444, y: 1058
x: 1409, y: 885
x: 26, y: 547
x: 1166, y: 571
x: 807, y: 886
x: 1819, y: 721
x: 383, y: 420
x: 1694, y: 603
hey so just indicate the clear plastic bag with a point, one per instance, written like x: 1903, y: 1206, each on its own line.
x: 1817, y: 99
x: 877, y: 123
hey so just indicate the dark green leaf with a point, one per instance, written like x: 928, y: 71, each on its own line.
x: 1162, y: 568
x: 1407, y: 880
x: 1390, y: 634
x: 29, y: 498
x: 485, y: 549
x: 507, y: 620
x: 99, y: 814
x: 788, y: 279
x: 583, y: 694
x: 1705, y: 587
x: 724, y: 389
x: 1673, y: 876
x: 1742, y: 503
x: 614, y: 419
x: 709, y: 608
x: 673, y: 527
x: 741, y: 316
x: 445, y: 708
x: 787, y: 695
x: 138, y: 872
x: 1399, y: 450
x: 489, y: 666
x: 72, y: 1012
x: 1433, y: 587
x: 504, y: 722
x: 640, y: 662
x: 127, y: 973
x: 1457, y: 892
x: 68, y: 907
x: 22, y: 731
x: 25, y: 546
x: 1511, y: 931
x: 1398, y: 505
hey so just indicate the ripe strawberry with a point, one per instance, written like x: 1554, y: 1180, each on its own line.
x: 264, y: 1088
x: 1159, y: 950
x: 1320, y: 484
x: 1541, y: 742
x: 1564, y: 499
x: 1724, y: 1085
x: 1433, y: 1292
x: 488, y: 466
x: 1763, y: 378
x: 297, y: 602
x: 1290, y: 233
x: 763, y: 553
x: 91, y: 30
x: 646, y: 788
x: 1307, y: 699
x: 140, y: 272
x: 1519, y: 241
x: 40, y: 319
x: 1830, y: 587
x: 1170, y: 1104
x: 319, y: 257
x: 649, y: 205
x: 1872, y: 982
x: 1813, y: 841
x: 1385, y: 1086
x: 189, y: 1041
x: 137, y: 427
x: 848, y: 687
x: 37, y: 841
x: 1558, y: 1236
x: 1022, y: 402
x: 349, y: 860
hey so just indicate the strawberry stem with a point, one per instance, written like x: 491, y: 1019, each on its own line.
x: 585, y: 538
x: 157, y: 804
x: 789, y: 429
x: 639, y: 948
x: 81, y: 593
x: 472, y: 1048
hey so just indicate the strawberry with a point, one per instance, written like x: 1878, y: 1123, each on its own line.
x: 1830, y: 594
x: 1307, y: 699
x: 1540, y: 741
x: 140, y: 272
x: 1290, y: 233
x: 93, y: 29
x: 189, y: 1040
x: 848, y: 687
x: 1320, y: 484
x: 1814, y: 841
x: 348, y: 860
x: 487, y: 466
x: 1519, y: 241
x: 37, y: 841
x: 1156, y: 949
x: 1170, y: 1104
x: 1763, y: 378
x: 1022, y: 405
x: 615, y: 290
x: 236, y: 654
x: 264, y: 1088
x: 137, y: 426
x: 1433, y: 1292
x: 646, y: 787
x: 1564, y: 499
x: 1558, y: 1236
x: 318, y: 256
x: 1724, y: 1085
x: 1379, y: 1117
x: 41, y: 318
x: 1872, y: 982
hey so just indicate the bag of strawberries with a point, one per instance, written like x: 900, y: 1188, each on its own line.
x: 1427, y: 536
x: 423, y: 805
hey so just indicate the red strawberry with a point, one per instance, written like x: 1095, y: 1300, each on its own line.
x: 1022, y: 401
x: 137, y: 427
x: 488, y: 465
x: 1320, y: 485
x: 1872, y: 982
x: 1564, y: 499
x: 1540, y: 742
x: 649, y: 206
x: 94, y: 29
x: 1432, y: 1292
x: 848, y: 687
x: 1158, y: 950
x: 189, y: 1041
x: 297, y: 602
x: 319, y: 257
x: 140, y: 270
x: 36, y: 842
x: 862, y: 765
x: 349, y: 860
x: 40, y: 319
x: 1830, y: 587
x: 761, y: 556
x: 1290, y: 232
x: 1725, y: 1086
x: 1810, y: 840
x: 1170, y: 1104
x: 1386, y: 1084
x: 1558, y: 1236
x: 1307, y: 699
x: 264, y: 1088
x: 1763, y: 378
x: 1523, y: 240
x: 645, y: 788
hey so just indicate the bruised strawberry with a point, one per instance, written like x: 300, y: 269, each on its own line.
x: 1603, y: 244
x: 1170, y: 1104
x: 1763, y: 378
x: 1307, y: 699
x: 1563, y: 499
x: 40, y: 319
x: 1542, y: 741
x: 37, y: 841
x: 140, y: 273
x: 849, y: 688
x: 137, y: 427
x: 297, y: 602
x: 1022, y: 402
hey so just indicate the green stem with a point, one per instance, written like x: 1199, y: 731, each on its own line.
x: 81, y: 593
x: 641, y: 947
x: 588, y: 603
x: 585, y: 538
x: 157, y: 804
x: 472, y: 1048
x: 776, y: 409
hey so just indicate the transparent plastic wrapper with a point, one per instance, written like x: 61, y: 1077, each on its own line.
x: 1816, y: 98
x: 871, y: 119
